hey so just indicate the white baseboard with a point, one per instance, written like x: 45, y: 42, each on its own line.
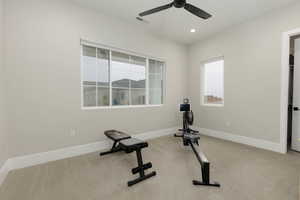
x: 262, y: 144
x: 4, y: 170
x: 156, y: 134
x: 44, y: 157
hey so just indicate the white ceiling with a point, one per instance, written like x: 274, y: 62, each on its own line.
x: 175, y: 24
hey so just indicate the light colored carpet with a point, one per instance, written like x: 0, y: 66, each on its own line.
x: 245, y: 173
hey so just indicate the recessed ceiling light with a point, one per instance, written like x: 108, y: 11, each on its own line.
x: 193, y: 30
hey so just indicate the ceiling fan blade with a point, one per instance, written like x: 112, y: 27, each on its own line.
x: 197, y: 11
x: 154, y: 10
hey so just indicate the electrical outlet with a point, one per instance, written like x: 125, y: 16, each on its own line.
x: 73, y: 132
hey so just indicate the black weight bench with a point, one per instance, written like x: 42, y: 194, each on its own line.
x: 124, y: 142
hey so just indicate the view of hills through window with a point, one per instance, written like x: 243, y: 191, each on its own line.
x: 128, y: 74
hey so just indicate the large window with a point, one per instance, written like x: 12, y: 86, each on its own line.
x: 212, y: 84
x: 112, y: 78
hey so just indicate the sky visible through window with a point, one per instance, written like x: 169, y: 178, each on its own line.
x: 127, y: 71
x: 214, y: 79
x: 121, y: 71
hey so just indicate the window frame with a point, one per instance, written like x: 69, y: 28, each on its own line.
x: 202, y: 81
x: 131, y: 53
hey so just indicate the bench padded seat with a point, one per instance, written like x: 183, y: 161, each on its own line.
x: 133, y: 144
x: 116, y: 135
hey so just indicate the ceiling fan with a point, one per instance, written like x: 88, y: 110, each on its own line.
x: 179, y: 4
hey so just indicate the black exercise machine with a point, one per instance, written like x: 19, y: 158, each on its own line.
x: 124, y: 142
x: 191, y: 137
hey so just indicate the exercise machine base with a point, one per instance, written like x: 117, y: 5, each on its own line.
x: 213, y: 184
x: 191, y: 138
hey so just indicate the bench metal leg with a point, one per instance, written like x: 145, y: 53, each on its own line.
x: 140, y: 162
x: 145, y: 167
x: 135, y: 181
x: 114, y: 148
x: 140, y: 169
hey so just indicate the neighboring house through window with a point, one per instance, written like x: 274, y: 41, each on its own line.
x: 112, y: 78
x: 212, y: 82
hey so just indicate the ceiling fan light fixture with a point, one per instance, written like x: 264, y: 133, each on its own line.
x: 179, y: 4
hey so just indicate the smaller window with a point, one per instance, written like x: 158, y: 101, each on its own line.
x: 212, y: 82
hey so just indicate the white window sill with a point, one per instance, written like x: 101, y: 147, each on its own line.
x: 120, y: 107
x: 212, y: 105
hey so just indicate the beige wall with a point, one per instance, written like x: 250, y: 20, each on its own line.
x: 42, y: 71
x: 252, y: 54
x: 43, y: 62
x: 3, y: 133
